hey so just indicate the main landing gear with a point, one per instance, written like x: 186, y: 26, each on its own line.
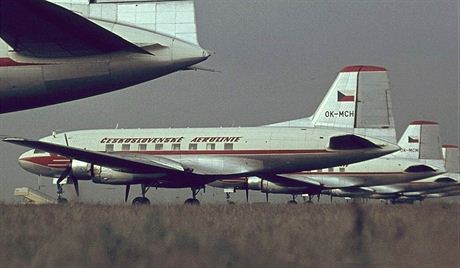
x: 293, y: 202
x: 60, y: 199
x: 193, y: 200
x: 60, y: 190
x: 140, y: 200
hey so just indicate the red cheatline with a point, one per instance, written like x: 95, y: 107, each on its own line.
x: 7, y: 62
x: 362, y: 68
x: 423, y: 122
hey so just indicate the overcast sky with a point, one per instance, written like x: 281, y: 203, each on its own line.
x: 277, y: 60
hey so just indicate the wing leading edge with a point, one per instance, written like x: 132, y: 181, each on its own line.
x: 129, y: 163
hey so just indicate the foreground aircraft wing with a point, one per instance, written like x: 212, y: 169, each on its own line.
x: 45, y: 30
x: 122, y: 162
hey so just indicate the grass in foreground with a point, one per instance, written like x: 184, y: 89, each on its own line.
x: 340, y: 235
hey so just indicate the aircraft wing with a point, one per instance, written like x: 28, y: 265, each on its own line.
x: 325, y: 181
x: 45, y: 30
x: 292, y: 180
x: 124, y: 162
x: 388, y: 189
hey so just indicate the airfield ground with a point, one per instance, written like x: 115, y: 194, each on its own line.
x: 258, y: 235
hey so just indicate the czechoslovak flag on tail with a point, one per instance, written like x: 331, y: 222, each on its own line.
x: 412, y: 139
x: 345, y: 95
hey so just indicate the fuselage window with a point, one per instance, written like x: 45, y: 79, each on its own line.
x: 342, y: 169
x: 330, y: 169
x: 109, y: 147
x: 228, y: 146
x: 175, y: 147
x: 125, y: 147
x: 210, y: 146
x: 193, y: 146
x: 158, y: 147
x: 37, y: 151
x: 142, y: 147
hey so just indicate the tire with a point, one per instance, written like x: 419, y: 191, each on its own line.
x: 292, y: 202
x: 191, y: 201
x: 141, y: 201
x: 62, y: 200
x: 145, y: 201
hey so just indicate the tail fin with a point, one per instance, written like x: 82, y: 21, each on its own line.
x: 451, y: 158
x: 172, y: 18
x: 421, y: 140
x: 358, y: 99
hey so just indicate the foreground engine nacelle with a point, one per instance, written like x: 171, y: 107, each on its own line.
x: 265, y: 186
x: 99, y: 174
x: 81, y: 170
x: 105, y: 175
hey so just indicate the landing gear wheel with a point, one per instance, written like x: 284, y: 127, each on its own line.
x: 192, y: 201
x: 62, y: 200
x: 141, y: 201
x: 292, y: 202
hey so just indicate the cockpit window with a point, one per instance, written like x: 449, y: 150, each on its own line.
x: 38, y: 151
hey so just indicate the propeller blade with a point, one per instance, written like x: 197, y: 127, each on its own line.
x: 75, y: 185
x: 266, y: 196
x: 127, y: 192
x: 64, y: 174
x: 66, y: 140
x: 247, y: 195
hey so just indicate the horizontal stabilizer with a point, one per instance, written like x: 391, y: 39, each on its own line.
x: 350, y: 142
x: 44, y: 30
x: 173, y: 18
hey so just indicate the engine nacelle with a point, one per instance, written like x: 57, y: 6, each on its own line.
x: 265, y: 186
x: 99, y: 174
x: 105, y: 175
x: 81, y: 170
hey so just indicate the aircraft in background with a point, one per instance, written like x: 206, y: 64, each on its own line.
x: 57, y: 55
x: 420, y: 142
x: 444, y: 185
x: 451, y: 154
x: 190, y: 157
x: 358, y: 102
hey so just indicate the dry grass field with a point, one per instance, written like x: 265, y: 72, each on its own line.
x: 257, y: 235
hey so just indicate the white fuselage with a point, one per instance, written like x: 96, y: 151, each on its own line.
x: 214, y: 152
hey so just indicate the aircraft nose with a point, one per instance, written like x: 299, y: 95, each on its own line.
x: 25, y: 163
